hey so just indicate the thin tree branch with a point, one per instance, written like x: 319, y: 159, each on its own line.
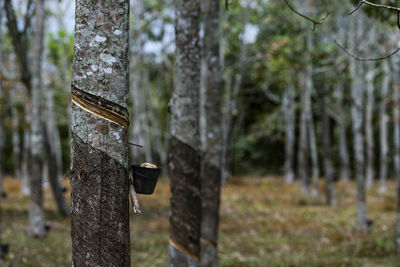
x: 367, y: 59
x: 357, y: 7
x: 378, y: 6
x: 315, y: 22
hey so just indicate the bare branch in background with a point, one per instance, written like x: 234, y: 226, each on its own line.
x: 315, y: 22
x: 378, y: 6
x: 367, y: 59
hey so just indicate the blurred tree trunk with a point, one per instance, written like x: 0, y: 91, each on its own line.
x: 184, y: 157
x: 138, y: 101
x: 53, y: 151
x: 396, y: 119
x: 26, y: 166
x: 2, y: 110
x: 52, y: 128
x: 20, y: 44
x: 62, y: 205
x: 144, y: 117
x: 310, y: 120
x: 383, y: 127
x: 357, y: 97
x: 231, y: 105
x: 211, y: 163
x: 100, y: 121
x: 302, y: 156
x: 343, y: 149
x: 369, y: 131
x: 2, y: 137
x: 15, y: 135
x: 327, y: 151
x: 36, y: 212
x: 290, y: 121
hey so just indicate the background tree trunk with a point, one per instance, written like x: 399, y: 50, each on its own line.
x: 26, y: 166
x: 302, y: 156
x: 357, y: 96
x: 36, y: 212
x: 99, y: 152
x: 2, y: 102
x: 211, y: 162
x: 383, y: 127
x: 310, y: 119
x: 369, y: 131
x: 290, y: 122
x: 343, y: 148
x: 396, y: 119
x: 138, y: 100
x: 184, y: 157
x: 327, y: 152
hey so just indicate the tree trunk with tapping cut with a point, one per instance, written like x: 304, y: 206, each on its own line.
x: 99, y: 151
x: 184, y: 157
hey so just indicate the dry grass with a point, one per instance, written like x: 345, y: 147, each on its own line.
x: 263, y: 223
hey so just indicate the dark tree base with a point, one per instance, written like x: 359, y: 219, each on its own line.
x: 99, y: 208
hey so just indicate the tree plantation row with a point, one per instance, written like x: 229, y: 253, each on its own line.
x: 194, y: 92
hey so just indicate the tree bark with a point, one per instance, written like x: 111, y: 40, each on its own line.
x: 99, y: 151
x: 343, y: 148
x: 369, y: 131
x: 326, y: 151
x: 357, y: 96
x: 302, y: 156
x: 211, y: 162
x: 290, y: 121
x: 184, y: 157
x: 310, y: 121
x: 36, y: 212
x: 396, y: 119
x: 2, y: 134
x: 383, y: 128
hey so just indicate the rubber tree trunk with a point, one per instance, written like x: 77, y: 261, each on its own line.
x: 344, y: 158
x: 184, y: 157
x: 327, y: 152
x: 369, y: 131
x: 357, y: 96
x: 302, y: 156
x: 396, y: 119
x: 290, y: 121
x: 383, y: 128
x: 310, y: 120
x: 36, y: 212
x: 99, y: 151
x: 211, y: 162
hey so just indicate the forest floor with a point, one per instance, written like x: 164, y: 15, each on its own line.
x: 263, y: 223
